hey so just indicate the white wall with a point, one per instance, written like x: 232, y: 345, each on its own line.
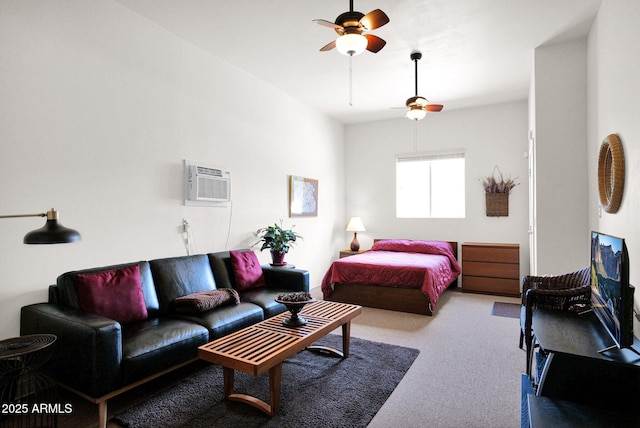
x: 613, y: 88
x: 491, y: 135
x: 98, y: 109
x: 560, y: 131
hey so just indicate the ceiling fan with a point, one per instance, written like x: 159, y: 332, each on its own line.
x: 352, y: 28
x: 419, y: 106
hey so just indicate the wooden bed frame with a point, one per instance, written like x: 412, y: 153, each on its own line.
x: 390, y: 298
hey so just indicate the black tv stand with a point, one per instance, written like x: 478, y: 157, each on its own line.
x: 614, y: 346
x: 609, y: 348
x: 577, y: 371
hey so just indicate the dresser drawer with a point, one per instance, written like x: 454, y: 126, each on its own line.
x: 491, y: 270
x: 490, y: 253
x: 509, y: 287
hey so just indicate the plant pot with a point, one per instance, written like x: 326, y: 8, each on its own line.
x: 277, y: 258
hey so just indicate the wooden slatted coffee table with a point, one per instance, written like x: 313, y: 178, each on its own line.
x: 264, y: 346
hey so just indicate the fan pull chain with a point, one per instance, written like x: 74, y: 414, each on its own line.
x: 415, y: 135
x: 350, y: 82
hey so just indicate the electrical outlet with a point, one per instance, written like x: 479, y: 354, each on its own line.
x: 185, y: 225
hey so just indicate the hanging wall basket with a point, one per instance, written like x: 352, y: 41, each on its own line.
x: 497, y: 204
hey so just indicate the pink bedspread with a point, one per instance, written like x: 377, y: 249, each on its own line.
x: 431, y: 273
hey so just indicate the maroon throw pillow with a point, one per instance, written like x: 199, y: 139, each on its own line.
x: 115, y: 294
x: 246, y: 270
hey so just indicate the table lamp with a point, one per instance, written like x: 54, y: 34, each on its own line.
x: 355, y: 225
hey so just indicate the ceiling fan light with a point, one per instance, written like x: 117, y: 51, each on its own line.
x: 421, y: 101
x: 351, y: 44
x: 416, y: 113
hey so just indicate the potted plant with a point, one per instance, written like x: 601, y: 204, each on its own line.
x: 497, y: 190
x: 277, y: 240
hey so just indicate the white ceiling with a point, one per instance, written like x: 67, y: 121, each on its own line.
x: 475, y: 52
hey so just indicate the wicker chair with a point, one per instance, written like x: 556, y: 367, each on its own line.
x: 571, y: 291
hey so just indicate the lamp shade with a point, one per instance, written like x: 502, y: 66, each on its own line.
x: 416, y: 113
x: 355, y: 225
x: 351, y: 44
x: 51, y: 233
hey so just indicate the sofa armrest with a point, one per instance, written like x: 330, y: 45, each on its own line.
x: 286, y: 278
x: 88, y: 350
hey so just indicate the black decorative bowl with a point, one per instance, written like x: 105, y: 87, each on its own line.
x: 294, y: 307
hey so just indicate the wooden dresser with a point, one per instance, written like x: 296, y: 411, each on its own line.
x: 491, y: 268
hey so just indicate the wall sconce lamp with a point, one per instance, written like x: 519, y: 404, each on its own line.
x: 51, y: 233
x: 355, y: 225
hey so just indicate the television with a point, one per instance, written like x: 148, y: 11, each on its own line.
x: 611, y: 293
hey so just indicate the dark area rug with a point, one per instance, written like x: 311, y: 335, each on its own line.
x: 318, y: 390
x: 508, y: 310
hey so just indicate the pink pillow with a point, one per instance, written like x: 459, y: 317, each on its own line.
x: 115, y: 294
x: 246, y: 270
x: 402, y: 245
x: 430, y: 247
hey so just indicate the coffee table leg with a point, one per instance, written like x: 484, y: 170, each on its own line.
x: 346, y: 335
x: 228, y: 377
x: 275, y: 382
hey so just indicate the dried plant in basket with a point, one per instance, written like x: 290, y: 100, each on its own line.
x: 496, y: 183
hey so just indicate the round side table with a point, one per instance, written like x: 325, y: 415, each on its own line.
x: 23, y: 382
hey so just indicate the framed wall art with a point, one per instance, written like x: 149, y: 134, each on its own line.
x: 303, y: 197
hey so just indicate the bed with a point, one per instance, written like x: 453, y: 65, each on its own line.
x: 395, y: 274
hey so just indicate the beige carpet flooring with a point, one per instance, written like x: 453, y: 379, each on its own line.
x: 467, y: 373
x: 468, y: 370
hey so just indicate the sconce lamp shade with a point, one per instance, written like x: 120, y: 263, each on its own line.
x: 51, y: 233
x: 355, y: 225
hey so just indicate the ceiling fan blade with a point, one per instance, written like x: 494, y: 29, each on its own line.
x: 374, y: 19
x: 375, y: 43
x: 328, y: 46
x: 327, y: 23
x: 434, y: 107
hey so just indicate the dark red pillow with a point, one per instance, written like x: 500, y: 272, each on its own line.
x: 246, y: 270
x: 115, y: 294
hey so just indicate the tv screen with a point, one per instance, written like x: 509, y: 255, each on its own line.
x: 611, y: 293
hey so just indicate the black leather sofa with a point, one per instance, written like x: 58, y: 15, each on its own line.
x: 98, y: 358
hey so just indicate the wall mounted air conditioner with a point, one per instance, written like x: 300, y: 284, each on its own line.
x: 207, y: 184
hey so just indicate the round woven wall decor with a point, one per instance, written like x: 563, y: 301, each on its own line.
x: 611, y: 173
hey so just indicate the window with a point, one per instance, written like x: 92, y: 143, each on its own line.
x: 430, y: 185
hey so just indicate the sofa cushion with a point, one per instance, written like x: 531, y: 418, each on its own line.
x: 153, y: 345
x: 115, y: 294
x: 266, y: 299
x: 205, y: 300
x: 226, y: 319
x: 179, y: 276
x: 222, y: 269
x: 247, y: 271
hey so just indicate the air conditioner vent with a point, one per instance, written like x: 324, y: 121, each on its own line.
x: 209, y: 171
x: 207, y: 184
